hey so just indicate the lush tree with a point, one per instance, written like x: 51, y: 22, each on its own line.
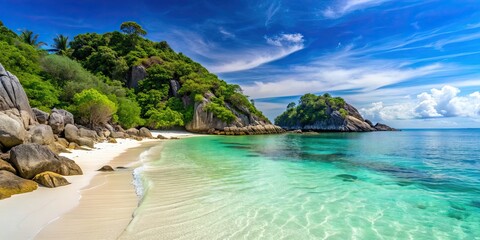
x: 106, y: 61
x: 30, y: 38
x: 93, y: 108
x: 132, y: 28
x: 41, y: 94
x: 60, y: 45
x: 165, y: 118
x: 128, y: 113
x: 311, y: 108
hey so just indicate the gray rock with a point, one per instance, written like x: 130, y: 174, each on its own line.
x: 67, y: 116
x: 56, y: 122
x: 32, y: 159
x: 50, y: 179
x: 12, y: 131
x: 174, y: 87
x: 144, y: 132
x: 72, y: 134
x: 87, y: 133
x: 11, y: 184
x: 13, y: 98
x: 383, y: 127
x: 42, y: 117
x: 42, y: 134
x: 132, y: 131
x: 246, y: 123
x: 135, y: 75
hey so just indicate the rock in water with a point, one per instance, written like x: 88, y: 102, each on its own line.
x: 13, y: 99
x: 32, y: 159
x: 12, y: 184
x: 12, y: 132
x: 347, y: 177
x: 50, y: 179
x: 106, y: 168
x: 144, y: 132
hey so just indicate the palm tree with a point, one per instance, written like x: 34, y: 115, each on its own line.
x: 60, y: 44
x: 32, y: 39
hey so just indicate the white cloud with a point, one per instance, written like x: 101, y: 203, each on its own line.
x: 272, y: 9
x: 327, y: 77
x: 344, y: 7
x: 437, y: 103
x: 286, y: 40
x: 278, y: 47
x: 226, y: 34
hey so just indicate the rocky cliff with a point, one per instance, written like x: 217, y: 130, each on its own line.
x: 245, y: 122
x: 335, y: 115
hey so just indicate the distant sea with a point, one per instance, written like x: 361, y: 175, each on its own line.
x: 413, y: 184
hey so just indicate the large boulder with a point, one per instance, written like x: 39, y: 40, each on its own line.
x: 32, y: 159
x: 12, y: 184
x: 144, y: 132
x: 50, y: 179
x: 72, y: 134
x: 56, y: 122
x: 135, y: 75
x: 67, y: 116
x: 12, y: 131
x: 132, y: 132
x: 42, y: 117
x: 42, y: 134
x: 14, y: 99
x: 87, y: 133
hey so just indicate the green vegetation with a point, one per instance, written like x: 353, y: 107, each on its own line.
x: 310, y: 109
x: 96, y: 67
x: 93, y: 108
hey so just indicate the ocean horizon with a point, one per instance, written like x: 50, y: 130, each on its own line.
x: 415, y: 183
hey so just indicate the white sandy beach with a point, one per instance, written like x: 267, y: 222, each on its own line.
x: 62, y: 213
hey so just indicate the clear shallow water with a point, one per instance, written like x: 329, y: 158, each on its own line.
x: 414, y: 184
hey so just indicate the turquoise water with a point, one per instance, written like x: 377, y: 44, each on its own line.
x: 414, y: 184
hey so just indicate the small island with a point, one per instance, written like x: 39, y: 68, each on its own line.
x: 325, y: 113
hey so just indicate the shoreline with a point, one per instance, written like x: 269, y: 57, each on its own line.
x: 29, y: 214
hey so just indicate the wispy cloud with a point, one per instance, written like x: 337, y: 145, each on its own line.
x: 272, y: 9
x: 277, y: 47
x: 343, y: 7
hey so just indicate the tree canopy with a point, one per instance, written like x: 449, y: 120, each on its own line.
x: 132, y: 28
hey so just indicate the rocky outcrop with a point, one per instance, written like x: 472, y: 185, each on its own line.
x: 174, y: 87
x: 383, y: 127
x: 42, y: 117
x: 338, y: 122
x: 144, y: 132
x: 12, y: 184
x: 41, y: 134
x: 56, y: 122
x: 135, y: 75
x: 72, y: 135
x: 13, y: 99
x: 32, y: 159
x: 245, y: 123
x: 50, y: 179
x: 12, y: 132
x: 67, y: 116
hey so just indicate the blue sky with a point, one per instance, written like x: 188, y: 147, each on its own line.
x: 410, y: 64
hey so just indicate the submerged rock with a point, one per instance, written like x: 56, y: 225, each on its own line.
x: 347, y: 177
x: 50, y: 179
x: 11, y: 184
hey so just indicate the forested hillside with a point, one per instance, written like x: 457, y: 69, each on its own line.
x: 121, y: 77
